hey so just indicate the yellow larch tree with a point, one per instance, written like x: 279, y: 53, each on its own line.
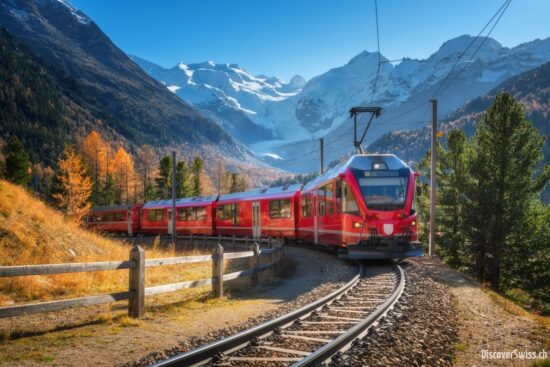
x: 76, y: 186
x: 124, y: 173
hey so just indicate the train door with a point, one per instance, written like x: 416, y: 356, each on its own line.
x: 256, y: 220
x: 129, y: 214
x: 315, y: 218
x: 170, y: 224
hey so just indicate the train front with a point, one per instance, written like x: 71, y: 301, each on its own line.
x: 386, y: 188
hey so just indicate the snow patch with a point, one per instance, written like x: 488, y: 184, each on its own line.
x: 272, y: 156
x: 173, y: 88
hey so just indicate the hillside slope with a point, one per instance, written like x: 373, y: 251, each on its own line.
x: 33, y: 233
x: 39, y: 105
x: 116, y: 90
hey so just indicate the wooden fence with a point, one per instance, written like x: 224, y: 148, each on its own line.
x: 136, y: 265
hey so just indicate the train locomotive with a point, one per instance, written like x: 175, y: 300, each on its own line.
x: 363, y: 208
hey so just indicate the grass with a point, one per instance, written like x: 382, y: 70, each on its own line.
x: 31, y: 232
x: 514, y: 309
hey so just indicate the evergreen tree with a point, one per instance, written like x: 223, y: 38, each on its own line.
x: 451, y: 187
x: 508, y: 148
x: 164, y: 179
x: 110, y: 193
x: 183, y: 181
x: 196, y: 169
x: 18, y: 167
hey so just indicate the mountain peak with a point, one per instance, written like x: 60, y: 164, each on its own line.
x: 455, y: 46
x: 297, y: 81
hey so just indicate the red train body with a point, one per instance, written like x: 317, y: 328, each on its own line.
x: 365, y: 206
x: 115, y: 218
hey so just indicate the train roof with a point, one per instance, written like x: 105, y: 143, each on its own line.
x: 107, y: 208
x: 359, y: 161
x: 271, y: 192
x: 198, y: 200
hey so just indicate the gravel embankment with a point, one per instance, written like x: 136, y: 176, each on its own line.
x: 420, y: 331
x: 335, y: 274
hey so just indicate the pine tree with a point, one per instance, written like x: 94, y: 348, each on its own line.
x: 507, y: 150
x: 146, y: 160
x: 164, y: 179
x: 75, y: 185
x: 110, y: 193
x: 196, y: 169
x: 451, y: 187
x: 183, y: 180
x: 18, y: 167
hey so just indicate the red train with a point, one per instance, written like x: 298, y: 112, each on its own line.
x: 364, y: 207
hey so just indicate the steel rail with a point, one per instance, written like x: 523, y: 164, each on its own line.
x: 343, y: 341
x: 204, y: 354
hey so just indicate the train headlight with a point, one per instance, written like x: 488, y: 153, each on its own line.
x: 413, y: 223
x: 357, y: 225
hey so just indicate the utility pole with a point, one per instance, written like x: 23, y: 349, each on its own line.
x: 433, y: 182
x: 174, y: 232
x: 321, y: 151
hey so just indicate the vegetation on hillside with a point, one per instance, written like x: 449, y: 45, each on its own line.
x: 31, y: 232
x: 491, y: 221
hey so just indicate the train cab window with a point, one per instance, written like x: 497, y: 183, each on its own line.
x: 155, y: 215
x: 306, y: 206
x: 349, y: 204
x: 280, y: 209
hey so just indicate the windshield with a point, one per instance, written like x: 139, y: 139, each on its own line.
x: 384, y: 193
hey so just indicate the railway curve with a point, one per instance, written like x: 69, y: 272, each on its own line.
x: 312, y: 334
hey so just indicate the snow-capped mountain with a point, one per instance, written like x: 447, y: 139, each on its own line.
x: 228, y: 93
x: 403, y: 90
x: 284, y: 120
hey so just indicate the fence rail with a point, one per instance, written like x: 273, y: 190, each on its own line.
x: 136, y: 265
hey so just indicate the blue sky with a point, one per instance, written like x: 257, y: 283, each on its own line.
x: 307, y: 37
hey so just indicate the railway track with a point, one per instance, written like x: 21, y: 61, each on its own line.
x: 311, y: 335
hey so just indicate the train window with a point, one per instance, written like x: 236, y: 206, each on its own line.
x: 200, y: 213
x: 182, y: 214
x: 306, y: 206
x: 280, y: 209
x: 329, y: 199
x: 274, y: 208
x: 221, y: 212
x: 155, y: 215
x: 321, y: 200
x: 228, y: 211
x: 349, y: 204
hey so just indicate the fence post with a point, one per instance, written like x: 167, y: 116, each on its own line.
x: 254, y: 262
x: 217, y: 271
x: 136, y: 305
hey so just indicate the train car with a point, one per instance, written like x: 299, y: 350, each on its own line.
x: 365, y: 206
x: 194, y: 216
x: 115, y: 219
x: 264, y: 212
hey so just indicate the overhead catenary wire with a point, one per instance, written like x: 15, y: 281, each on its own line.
x: 500, y: 11
x: 379, y: 56
x: 507, y: 3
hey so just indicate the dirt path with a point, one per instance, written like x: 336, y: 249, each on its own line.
x: 176, y: 321
x: 484, y: 325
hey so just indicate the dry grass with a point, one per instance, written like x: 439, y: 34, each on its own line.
x: 517, y: 310
x: 33, y: 233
